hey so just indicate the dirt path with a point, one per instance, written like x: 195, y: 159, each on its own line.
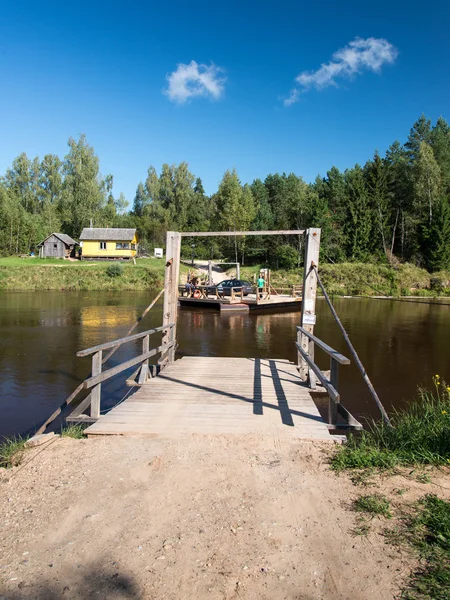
x: 218, y: 274
x: 197, y: 517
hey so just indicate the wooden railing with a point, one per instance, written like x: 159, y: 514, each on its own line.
x: 331, y: 385
x: 97, y: 377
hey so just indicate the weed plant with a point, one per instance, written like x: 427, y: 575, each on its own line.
x: 75, y: 431
x: 11, y: 452
x: 420, y: 436
x: 374, y: 504
x: 428, y: 530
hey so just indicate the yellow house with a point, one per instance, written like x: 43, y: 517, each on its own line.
x: 108, y: 243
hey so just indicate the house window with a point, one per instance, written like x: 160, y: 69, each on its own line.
x: 133, y: 246
x: 122, y: 246
x: 55, y: 246
x: 102, y: 245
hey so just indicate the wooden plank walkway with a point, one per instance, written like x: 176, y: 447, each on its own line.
x: 214, y: 395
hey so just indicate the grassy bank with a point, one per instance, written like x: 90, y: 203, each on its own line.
x: 345, y: 279
x: 355, y: 279
x: 52, y: 274
x: 420, y: 435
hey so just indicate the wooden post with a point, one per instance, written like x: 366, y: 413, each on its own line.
x: 172, y: 276
x: 308, y: 318
x: 210, y: 279
x: 96, y: 390
x: 143, y: 375
x: 334, y: 380
x: 238, y: 271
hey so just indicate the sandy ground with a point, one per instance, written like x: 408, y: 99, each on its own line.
x: 219, y: 517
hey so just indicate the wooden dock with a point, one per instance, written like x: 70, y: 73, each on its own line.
x: 215, y: 395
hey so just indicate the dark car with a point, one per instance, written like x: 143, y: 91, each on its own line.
x: 224, y: 287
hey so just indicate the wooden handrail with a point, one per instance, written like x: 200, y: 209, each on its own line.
x: 104, y: 375
x: 334, y: 394
x: 340, y: 358
x: 121, y: 341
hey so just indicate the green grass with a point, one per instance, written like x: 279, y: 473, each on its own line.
x: 75, y: 431
x: 53, y: 274
x: 11, y: 452
x: 420, y: 436
x: 356, y: 279
x: 374, y: 504
x: 428, y: 531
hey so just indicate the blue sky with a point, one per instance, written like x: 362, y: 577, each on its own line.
x: 102, y: 68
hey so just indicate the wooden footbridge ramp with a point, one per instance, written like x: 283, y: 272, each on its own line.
x: 212, y: 395
x: 217, y: 395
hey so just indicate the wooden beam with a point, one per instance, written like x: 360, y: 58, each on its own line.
x: 348, y: 417
x: 233, y: 233
x: 340, y: 358
x: 98, y: 378
x: 120, y: 341
x: 171, y: 280
x: 78, y: 410
x: 333, y: 393
x: 308, y: 318
x: 136, y: 323
x: 334, y: 380
x: 97, y: 389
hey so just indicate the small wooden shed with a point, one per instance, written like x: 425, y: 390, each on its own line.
x: 57, y: 245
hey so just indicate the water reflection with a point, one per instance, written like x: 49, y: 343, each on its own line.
x: 401, y: 345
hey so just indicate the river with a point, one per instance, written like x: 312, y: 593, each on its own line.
x: 402, y: 344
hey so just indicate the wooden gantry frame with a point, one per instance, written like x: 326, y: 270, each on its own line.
x: 305, y: 343
x: 172, y: 275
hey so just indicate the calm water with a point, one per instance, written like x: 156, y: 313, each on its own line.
x: 401, y: 344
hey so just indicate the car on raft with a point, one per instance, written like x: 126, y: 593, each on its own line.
x: 224, y: 287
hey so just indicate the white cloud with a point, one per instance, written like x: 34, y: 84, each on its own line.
x: 360, y: 55
x: 193, y: 81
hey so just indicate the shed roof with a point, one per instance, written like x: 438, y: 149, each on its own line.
x: 61, y: 236
x: 98, y: 233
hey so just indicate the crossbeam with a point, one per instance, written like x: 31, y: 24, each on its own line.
x: 333, y: 393
x: 340, y: 358
x: 103, y: 376
x: 121, y: 341
x: 232, y: 233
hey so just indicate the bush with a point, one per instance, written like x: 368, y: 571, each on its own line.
x: 420, y: 435
x: 287, y: 257
x: 114, y: 270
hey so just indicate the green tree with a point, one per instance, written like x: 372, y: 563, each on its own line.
x: 399, y: 182
x: 236, y: 206
x: 377, y: 187
x: 435, y: 238
x: 420, y: 132
x: 427, y: 181
x: 440, y: 142
x: 359, y: 216
x: 83, y: 196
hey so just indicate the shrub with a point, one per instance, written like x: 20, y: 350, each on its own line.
x: 420, y: 435
x: 114, y: 270
x: 287, y: 257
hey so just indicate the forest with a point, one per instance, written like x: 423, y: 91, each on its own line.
x: 394, y: 208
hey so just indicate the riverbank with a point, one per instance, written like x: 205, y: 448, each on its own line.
x: 30, y: 274
x: 343, y: 279
x: 362, y: 279
x: 203, y: 516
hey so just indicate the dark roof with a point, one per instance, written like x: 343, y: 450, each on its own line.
x: 97, y: 233
x: 66, y: 239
